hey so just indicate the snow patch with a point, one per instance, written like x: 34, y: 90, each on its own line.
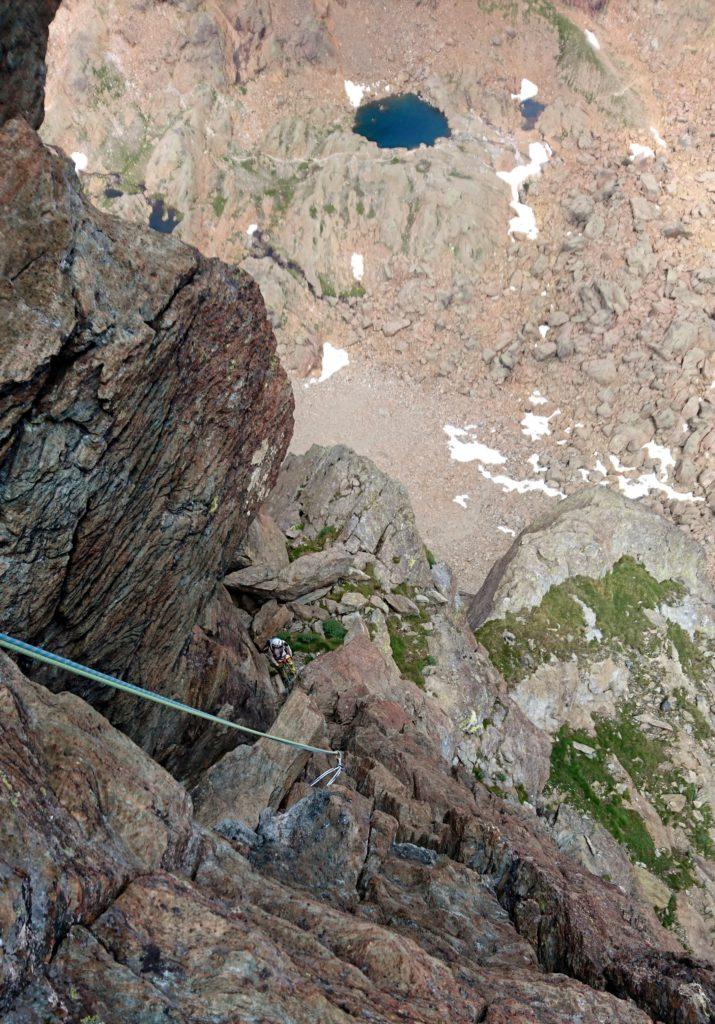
x: 461, y: 500
x: 591, y: 39
x: 507, y: 529
x: 527, y: 91
x: 544, y: 330
x: 358, y: 265
x: 521, y: 486
x: 79, y: 160
x: 585, y: 475
x: 354, y: 92
x: 615, y: 462
x: 251, y: 229
x: 648, y: 482
x: 334, y: 359
x: 525, y: 221
x: 533, y: 461
x: 600, y: 468
x: 639, y: 152
x: 659, y: 453
x: 536, y: 398
x: 463, y: 447
x: 535, y: 427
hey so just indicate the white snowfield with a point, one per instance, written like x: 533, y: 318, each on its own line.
x: 591, y: 39
x: 470, y: 450
x: 535, y: 427
x: 639, y: 152
x: 354, y: 92
x: 521, y: 486
x: 334, y: 359
x: 536, y: 398
x: 527, y: 91
x: 79, y: 160
x: 464, y: 447
x: 524, y: 223
x: 357, y: 264
x: 251, y: 229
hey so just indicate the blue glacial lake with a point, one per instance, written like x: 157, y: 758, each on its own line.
x: 163, y: 218
x: 401, y: 122
x: 531, y: 112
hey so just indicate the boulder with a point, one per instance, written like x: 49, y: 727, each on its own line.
x: 264, y: 544
x: 270, y: 619
x: 368, y: 512
x: 249, y: 779
x: 586, y: 535
x: 307, y: 573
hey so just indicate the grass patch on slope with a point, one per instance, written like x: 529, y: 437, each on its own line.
x: 589, y: 785
x: 323, y: 539
x: 521, y: 641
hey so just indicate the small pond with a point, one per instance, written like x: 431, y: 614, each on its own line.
x: 531, y: 111
x: 163, y: 218
x: 401, y: 122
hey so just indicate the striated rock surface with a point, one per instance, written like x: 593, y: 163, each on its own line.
x: 143, y: 416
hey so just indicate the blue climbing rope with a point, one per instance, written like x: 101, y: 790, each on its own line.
x: 57, y: 661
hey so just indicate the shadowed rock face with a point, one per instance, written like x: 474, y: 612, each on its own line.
x: 143, y: 416
x: 24, y: 26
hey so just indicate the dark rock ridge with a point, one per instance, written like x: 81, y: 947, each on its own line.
x: 24, y: 26
x: 143, y: 417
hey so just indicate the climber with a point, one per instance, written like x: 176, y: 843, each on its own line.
x: 281, y: 656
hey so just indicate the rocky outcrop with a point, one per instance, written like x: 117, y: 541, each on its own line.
x: 143, y: 416
x: 603, y: 625
x: 586, y: 535
x: 83, y: 812
x: 405, y: 889
x: 24, y: 29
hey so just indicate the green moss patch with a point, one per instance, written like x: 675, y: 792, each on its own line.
x: 323, y: 539
x: 408, y: 643
x: 309, y: 642
x: 108, y: 84
x: 218, y: 203
x: 588, y: 784
x: 521, y: 641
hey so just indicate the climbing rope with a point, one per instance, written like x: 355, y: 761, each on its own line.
x: 57, y: 661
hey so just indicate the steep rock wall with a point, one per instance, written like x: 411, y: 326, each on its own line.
x: 143, y: 417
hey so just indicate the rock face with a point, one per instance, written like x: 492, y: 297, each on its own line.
x: 143, y: 416
x: 23, y: 41
x: 83, y: 812
x: 406, y: 889
x: 602, y: 624
x: 585, y: 536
